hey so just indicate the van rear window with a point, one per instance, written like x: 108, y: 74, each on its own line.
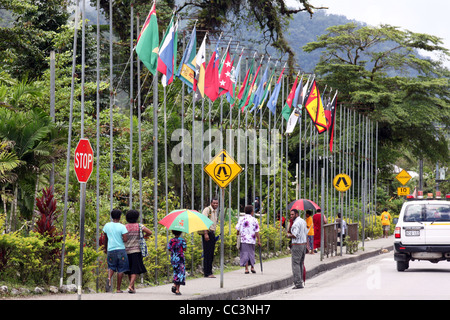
x: 427, y: 212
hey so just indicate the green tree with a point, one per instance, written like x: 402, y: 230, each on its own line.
x: 378, y: 71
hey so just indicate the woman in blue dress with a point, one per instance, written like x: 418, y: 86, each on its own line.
x: 176, y: 247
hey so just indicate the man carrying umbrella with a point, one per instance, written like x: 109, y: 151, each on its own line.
x: 209, y: 238
x: 298, y: 234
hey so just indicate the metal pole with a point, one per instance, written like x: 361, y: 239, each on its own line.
x: 98, y: 146
x: 155, y: 166
x: 111, y: 106
x: 52, y: 106
x: 321, y: 218
x: 82, y: 185
x: 131, y: 105
x: 222, y: 238
x: 69, y: 142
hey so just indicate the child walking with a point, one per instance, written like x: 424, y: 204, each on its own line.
x: 176, y: 247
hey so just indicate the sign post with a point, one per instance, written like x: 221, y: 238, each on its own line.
x: 83, y: 165
x: 342, y: 183
x: 222, y: 169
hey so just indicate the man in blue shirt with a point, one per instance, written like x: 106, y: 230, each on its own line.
x: 116, y: 236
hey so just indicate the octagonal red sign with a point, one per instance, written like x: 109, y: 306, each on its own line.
x: 84, y: 160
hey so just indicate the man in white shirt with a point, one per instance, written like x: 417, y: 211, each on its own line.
x: 298, y: 235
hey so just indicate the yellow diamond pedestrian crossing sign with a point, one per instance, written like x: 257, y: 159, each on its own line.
x: 223, y: 169
x: 403, y: 177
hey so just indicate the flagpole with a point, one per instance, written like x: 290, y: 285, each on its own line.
x: 111, y: 106
x: 130, y: 204
x: 69, y: 142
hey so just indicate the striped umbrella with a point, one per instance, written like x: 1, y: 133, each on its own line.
x: 303, y: 204
x: 186, y: 220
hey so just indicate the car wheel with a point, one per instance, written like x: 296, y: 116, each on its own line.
x: 402, y: 265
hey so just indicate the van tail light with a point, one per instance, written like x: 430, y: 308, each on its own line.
x: 397, y: 232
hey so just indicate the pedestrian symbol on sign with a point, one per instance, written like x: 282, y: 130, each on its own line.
x: 342, y: 182
x: 223, y: 169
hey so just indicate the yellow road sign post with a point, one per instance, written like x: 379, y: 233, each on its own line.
x: 223, y: 169
x: 342, y: 182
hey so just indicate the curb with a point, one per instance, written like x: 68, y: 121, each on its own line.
x: 243, y: 293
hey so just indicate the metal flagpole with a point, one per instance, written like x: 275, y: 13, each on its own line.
x: 139, y: 131
x: 98, y: 145
x: 69, y: 142
x: 155, y: 166
x: 82, y: 185
x: 131, y: 104
x: 111, y: 105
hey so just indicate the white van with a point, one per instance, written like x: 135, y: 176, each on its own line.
x: 422, y: 232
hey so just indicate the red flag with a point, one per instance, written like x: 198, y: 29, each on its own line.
x: 225, y: 83
x: 212, y: 77
x: 333, y: 119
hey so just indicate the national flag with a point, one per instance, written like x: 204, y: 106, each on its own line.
x: 212, y: 75
x: 168, y: 53
x: 199, y: 81
x: 244, y: 87
x: 186, y: 71
x: 251, y: 91
x: 266, y: 91
x: 272, y: 103
x: 333, y: 105
x: 293, y: 119
x: 315, y: 108
x: 235, y: 70
x: 225, y: 82
x: 297, y: 95
x: 148, y: 41
x: 286, y: 112
x: 260, y: 90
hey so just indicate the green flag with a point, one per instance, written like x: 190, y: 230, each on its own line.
x: 148, y: 42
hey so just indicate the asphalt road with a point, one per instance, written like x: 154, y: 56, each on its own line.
x: 374, y: 279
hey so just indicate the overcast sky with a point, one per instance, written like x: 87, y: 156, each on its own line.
x: 430, y: 17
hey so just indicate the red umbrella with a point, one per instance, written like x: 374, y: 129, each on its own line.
x: 303, y: 204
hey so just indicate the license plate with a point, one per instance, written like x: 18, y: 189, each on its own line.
x: 412, y: 233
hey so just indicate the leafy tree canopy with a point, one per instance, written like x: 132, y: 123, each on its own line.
x: 378, y: 70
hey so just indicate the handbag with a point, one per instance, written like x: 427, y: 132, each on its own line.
x: 142, y: 242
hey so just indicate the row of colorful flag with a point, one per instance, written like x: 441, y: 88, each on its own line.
x: 218, y: 77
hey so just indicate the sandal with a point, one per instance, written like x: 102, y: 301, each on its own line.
x: 131, y: 290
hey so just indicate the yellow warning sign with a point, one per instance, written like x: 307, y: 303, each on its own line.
x: 223, y: 169
x: 403, y: 177
x: 342, y: 182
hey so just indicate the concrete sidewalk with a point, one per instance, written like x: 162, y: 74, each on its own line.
x: 277, y: 274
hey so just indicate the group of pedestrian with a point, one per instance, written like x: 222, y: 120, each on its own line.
x: 247, y: 230
x: 122, y: 246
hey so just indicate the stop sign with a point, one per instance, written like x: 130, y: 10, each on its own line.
x: 84, y: 160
